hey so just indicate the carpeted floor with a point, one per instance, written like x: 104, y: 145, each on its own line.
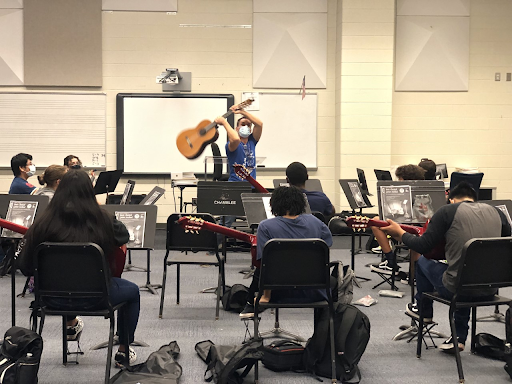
x: 385, y: 361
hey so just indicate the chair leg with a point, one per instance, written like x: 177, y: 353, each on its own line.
x: 162, y: 293
x: 333, y: 352
x: 420, y: 329
x: 64, y: 341
x: 110, y: 348
x: 256, y: 336
x: 178, y: 283
x: 456, y: 345
x: 473, y: 329
x: 219, y: 287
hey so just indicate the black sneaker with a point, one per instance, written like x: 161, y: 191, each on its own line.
x: 449, y: 347
x: 120, y: 358
x: 413, y: 311
x: 247, y: 312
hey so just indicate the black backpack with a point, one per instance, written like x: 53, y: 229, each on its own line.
x: 224, y: 361
x: 20, y: 356
x: 235, y: 298
x: 507, y: 353
x: 490, y: 346
x: 351, y: 336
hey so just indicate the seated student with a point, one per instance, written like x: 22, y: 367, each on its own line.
x: 50, y: 179
x: 22, y: 168
x: 72, y: 161
x: 430, y: 168
x: 74, y: 215
x: 404, y: 172
x: 296, y: 175
x: 455, y: 223
x: 291, y: 222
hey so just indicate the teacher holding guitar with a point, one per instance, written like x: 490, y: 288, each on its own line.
x: 241, y: 145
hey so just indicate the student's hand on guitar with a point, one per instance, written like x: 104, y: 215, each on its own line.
x: 393, y: 230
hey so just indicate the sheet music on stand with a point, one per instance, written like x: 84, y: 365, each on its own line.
x: 153, y: 196
x: 127, y: 194
x: 135, y: 223
x: 396, y: 203
x: 21, y: 213
x: 356, y: 199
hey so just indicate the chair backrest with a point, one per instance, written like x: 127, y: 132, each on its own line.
x: 486, y: 263
x: 70, y: 270
x: 295, y: 263
x: 319, y: 215
x: 474, y: 179
x: 217, y: 165
x: 179, y: 240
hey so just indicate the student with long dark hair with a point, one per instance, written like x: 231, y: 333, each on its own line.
x: 74, y: 215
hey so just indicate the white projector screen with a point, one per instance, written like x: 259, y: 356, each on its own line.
x: 148, y: 124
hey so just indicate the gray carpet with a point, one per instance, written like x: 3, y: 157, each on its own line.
x: 385, y: 361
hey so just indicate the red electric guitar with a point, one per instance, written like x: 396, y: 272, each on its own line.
x: 244, y: 174
x: 192, y: 142
x: 363, y: 222
x: 119, y: 253
x: 194, y: 224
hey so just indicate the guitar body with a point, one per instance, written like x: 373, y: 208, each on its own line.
x: 192, y: 142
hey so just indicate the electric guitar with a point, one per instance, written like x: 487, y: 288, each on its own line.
x: 194, y: 225
x: 119, y: 253
x: 192, y: 142
x: 363, y: 222
x: 244, y: 174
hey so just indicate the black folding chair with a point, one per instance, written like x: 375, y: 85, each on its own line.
x: 485, y: 263
x: 198, y: 244
x: 295, y: 264
x: 76, y: 272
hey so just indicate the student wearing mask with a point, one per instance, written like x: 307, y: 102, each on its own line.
x: 22, y: 168
x: 72, y: 161
x: 50, y: 180
x: 241, y: 145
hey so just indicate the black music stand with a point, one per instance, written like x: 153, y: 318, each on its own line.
x: 357, y: 201
x: 5, y: 200
x: 147, y: 243
x: 435, y: 191
x: 107, y: 182
x: 153, y: 196
x: 382, y: 175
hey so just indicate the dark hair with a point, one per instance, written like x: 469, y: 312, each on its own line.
x: 297, y: 174
x: 52, y: 174
x: 73, y: 215
x: 68, y: 158
x: 243, y: 117
x: 19, y: 160
x: 463, y: 190
x: 287, y: 201
x: 410, y: 172
x: 430, y: 168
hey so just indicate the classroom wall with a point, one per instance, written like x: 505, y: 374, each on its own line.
x: 362, y: 122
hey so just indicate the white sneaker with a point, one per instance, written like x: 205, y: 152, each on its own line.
x: 449, y: 347
x: 73, y: 331
x: 377, y: 249
x: 384, y: 268
x: 120, y: 357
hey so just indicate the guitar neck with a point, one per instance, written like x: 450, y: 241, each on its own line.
x: 13, y: 226
x: 407, y: 228
x: 214, y: 124
x: 257, y: 186
x: 246, y: 237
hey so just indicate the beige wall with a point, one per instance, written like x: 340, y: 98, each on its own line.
x: 362, y: 122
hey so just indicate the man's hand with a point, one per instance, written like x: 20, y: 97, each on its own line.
x: 393, y: 229
x: 220, y: 120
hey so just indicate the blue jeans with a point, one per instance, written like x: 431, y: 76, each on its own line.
x: 429, y: 278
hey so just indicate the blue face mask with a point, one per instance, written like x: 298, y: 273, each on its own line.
x: 244, y: 131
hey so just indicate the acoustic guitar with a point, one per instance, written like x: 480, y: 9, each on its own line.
x: 119, y: 253
x: 192, y: 142
x: 194, y: 225
x: 244, y: 174
x: 363, y: 222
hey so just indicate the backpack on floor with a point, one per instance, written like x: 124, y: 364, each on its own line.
x: 225, y: 361
x: 283, y: 355
x: 235, y: 298
x: 490, y: 346
x: 20, y: 356
x: 159, y: 368
x: 507, y: 353
x: 345, y: 280
x: 351, y: 336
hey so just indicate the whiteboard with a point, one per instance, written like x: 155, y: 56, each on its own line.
x: 289, y: 129
x: 50, y: 126
x: 148, y: 124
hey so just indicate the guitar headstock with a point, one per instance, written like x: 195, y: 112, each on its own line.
x: 245, y: 103
x: 357, y: 222
x: 241, y: 171
x: 191, y: 224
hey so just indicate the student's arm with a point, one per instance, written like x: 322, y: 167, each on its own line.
x: 233, y: 138
x: 258, y: 124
